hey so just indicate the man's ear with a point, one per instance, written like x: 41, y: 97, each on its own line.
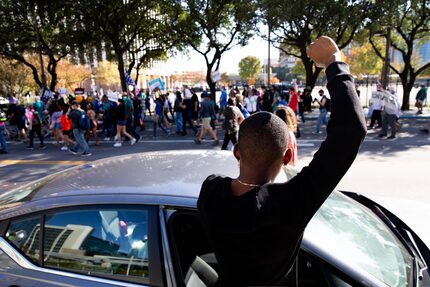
x: 236, y: 151
x: 287, y: 156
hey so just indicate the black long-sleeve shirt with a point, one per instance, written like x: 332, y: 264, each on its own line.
x: 256, y: 236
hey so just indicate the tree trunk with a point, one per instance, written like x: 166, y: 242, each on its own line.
x: 407, y: 84
x: 211, y: 83
x: 121, y: 70
x: 53, y: 72
x: 311, y: 75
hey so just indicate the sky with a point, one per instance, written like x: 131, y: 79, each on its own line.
x: 229, y: 61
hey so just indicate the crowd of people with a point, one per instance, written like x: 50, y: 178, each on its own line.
x: 71, y: 121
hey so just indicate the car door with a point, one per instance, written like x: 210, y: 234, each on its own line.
x: 83, y: 246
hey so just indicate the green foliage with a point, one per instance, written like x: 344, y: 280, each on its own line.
x: 282, y: 73
x: 138, y: 30
x: 249, y: 68
x: 295, y: 24
x: 59, y: 32
x: 363, y: 60
x: 212, y: 27
x: 407, y: 25
x: 13, y: 78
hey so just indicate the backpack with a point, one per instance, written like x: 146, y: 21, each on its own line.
x: 84, y: 121
x: 327, y: 104
x: 36, y: 119
x: 3, y: 116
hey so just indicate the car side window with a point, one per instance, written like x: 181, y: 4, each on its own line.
x: 103, y: 242
x: 24, y: 234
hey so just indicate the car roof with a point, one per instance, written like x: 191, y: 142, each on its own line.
x: 174, y: 174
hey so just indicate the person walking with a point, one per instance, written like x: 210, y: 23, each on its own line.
x: 186, y: 114
x: 157, y: 118
x: 178, y: 108
x: 108, y: 117
x: 34, y: 126
x: 420, y: 98
x: 233, y: 117
x: 121, y: 114
x: 390, y: 113
x: 3, y: 132
x: 66, y: 128
x: 77, y: 116
x: 93, y: 124
x: 322, y: 118
x: 207, y: 112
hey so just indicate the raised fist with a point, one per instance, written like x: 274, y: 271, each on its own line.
x: 323, y: 52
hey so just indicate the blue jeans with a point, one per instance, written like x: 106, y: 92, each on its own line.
x: 80, y: 140
x: 2, y: 139
x: 178, y: 122
x: 322, y: 119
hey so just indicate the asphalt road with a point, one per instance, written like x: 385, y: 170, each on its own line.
x: 394, y: 172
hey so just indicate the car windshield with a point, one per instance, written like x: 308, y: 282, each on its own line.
x: 352, y: 233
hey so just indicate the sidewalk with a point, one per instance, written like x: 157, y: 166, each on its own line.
x: 410, y: 114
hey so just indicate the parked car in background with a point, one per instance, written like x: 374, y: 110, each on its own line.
x: 131, y: 221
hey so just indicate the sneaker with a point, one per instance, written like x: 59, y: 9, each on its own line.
x: 317, y: 133
x: 117, y: 145
x: 197, y: 141
x: 115, y: 138
x: 215, y: 143
x: 133, y: 141
x: 42, y: 147
x: 106, y: 139
x: 30, y: 148
x: 391, y: 137
x: 425, y: 131
x: 73, y: 151
x: 64, y: 148
x: 86, y: 154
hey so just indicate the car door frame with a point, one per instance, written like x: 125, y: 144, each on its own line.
x: 155, y: 252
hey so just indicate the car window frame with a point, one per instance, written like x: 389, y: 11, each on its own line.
x: 155, y: 258
x: 180, y: 280
x: 5, y: 225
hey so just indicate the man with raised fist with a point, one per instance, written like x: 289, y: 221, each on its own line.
x: 256, y: 226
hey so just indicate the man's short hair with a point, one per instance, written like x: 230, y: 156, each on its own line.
x: 263, y: 139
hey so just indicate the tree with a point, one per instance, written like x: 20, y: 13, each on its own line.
x: 282, y: 73
x: 213, y: 27
x: 13, y: 77
x: 135, y: 29
x: 249, y: 68
x: 41, y: 26
x: 362, y: 60
x: 410, y: 22
x: 71, y: 76
x: 295, y: 24
x: 107, y: 75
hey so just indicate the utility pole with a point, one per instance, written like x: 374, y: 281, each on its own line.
x: 386, y: 67
x: 36, y: 26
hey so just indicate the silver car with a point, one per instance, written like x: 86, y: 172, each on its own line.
x: 131, y: 221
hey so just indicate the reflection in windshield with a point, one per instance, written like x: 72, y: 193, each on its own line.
x: 353, y: 234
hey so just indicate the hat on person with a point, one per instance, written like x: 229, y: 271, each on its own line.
x: 75, y: 103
